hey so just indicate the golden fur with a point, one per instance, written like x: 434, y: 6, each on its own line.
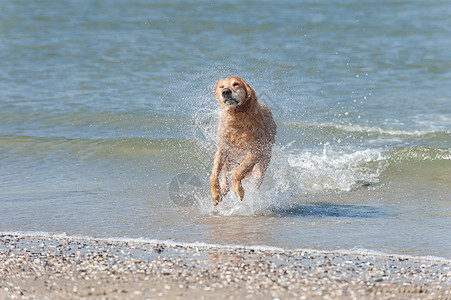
x: 246, y: 134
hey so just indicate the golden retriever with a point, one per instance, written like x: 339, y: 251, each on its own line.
x: 246, y: 134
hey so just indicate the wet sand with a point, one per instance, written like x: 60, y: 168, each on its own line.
x: 72, y: 268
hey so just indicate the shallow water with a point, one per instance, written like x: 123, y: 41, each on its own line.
x: 108, y: 119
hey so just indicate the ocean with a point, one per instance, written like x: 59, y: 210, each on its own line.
x: 108, y: 121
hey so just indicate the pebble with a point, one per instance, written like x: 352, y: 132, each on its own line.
x: 78, y: 268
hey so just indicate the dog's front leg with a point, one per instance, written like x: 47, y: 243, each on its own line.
x: 241, y: 172
x: 218, y: 163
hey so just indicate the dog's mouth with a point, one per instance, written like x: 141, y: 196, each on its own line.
x: 229, y: 101
x: 229, y: 98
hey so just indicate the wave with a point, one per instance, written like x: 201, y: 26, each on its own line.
x: 383, y: 131
x: 85, y: 124
x: 348, y: 127
x: 292, y: 171
x: 61, y: 147
x: 314, y: 133
x: 341, y: 171
x: 202, y: 245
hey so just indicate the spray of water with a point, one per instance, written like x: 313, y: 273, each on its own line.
x: 275, y: 193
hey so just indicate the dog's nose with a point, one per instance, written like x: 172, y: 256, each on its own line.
x: 226, y: 91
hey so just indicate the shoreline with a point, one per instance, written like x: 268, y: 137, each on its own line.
x: 205, y: 245
x: 57, y: 267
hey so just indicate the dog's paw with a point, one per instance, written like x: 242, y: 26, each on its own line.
x: 216, y: 198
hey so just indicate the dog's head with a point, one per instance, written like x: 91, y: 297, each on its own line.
x: 234, y: 93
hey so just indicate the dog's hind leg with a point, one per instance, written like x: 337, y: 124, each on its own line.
x: 241, y: 172
x: 260, y: 170
x: 224, y: 181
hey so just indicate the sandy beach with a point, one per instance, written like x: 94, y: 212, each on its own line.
x: 72, y: 268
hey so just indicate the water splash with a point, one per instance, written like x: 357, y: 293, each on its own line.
x: 337, y: 171
x: 292, y: 177
x: 256, y: 202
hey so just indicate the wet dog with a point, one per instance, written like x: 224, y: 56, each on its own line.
x: 246, y: 134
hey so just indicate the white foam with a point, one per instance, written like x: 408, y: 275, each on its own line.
x: 437, y: 122
x: 382, y: 131
x: 337, y: 170
x: 390, y: 132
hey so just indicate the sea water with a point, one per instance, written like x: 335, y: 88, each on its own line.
x: 108, y: 121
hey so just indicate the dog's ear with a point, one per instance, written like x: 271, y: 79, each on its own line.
x: 250, y: 93
x: 216, y: 87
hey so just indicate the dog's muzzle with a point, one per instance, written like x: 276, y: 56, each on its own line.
x: 227, y: 97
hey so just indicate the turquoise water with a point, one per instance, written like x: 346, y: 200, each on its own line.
x: 108, y: 119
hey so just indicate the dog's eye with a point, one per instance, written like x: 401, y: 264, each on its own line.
x: 221, y: 86
x: 236, y: 84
